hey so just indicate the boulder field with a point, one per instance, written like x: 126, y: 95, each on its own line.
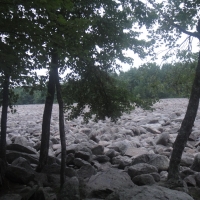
x: 126, y: 160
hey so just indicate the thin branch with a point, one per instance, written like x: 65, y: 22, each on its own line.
x: 171, y: 22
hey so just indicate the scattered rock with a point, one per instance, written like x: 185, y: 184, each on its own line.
x: 141, y: 168
x: 86, y: 171
x: 138, y: 138
x: 70, y: 190
x: 163, y: 139
x: 159, y: 161
x: 143, y: 179
x: 196, y: 164
x: 104, y: 183
x: 149, y: 192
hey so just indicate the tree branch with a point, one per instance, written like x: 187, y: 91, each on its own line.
x: 171, y: 22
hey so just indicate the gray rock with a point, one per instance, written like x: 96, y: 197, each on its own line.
x: 56, y: 147
x: 194, y: 192
x: 70, y: 159
x: 54, y: 140
x: 141, y: 168
x: 98, y: 150
x: 122, y: 146
x: 70, y: 172
x: 143, y: 179
x: 190, y: 180
x: 51, y: 160
x: 84, y: 155
x: 37, y: 193
x: 125, y: 161
x: 196, y: 163
x: 70, y: 190
x: 101, y: 166
x: 21, y: 141
x: 72, y: 148
x: 186, y: 172
x: 12, y: 155
x: 197, y: 179
x: 80, y: 162
x: 86, y: 171
x: 134, y: 152
x: 163, y: 175
x: 118, y: 159
x: 20, y: 148
x: 149, y: 192
x: 155, y: 176
x: 159, y: 161
x: 186, y: 160
x: 23, y: 163
x: 102, y: 158
x: 163, y: 139
x: 104, y: 183
x: 163, y: 150
x: 19, y: 174
x: 111, y: 153
x: 153, y: 130
x: 11, y: 196
x: 51, y: 169
x: 87, y: 131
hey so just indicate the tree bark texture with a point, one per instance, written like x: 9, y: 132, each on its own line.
x: 186, y: 127
x: 62, y: 130
x: 3, y: 162
x: 47, y: 116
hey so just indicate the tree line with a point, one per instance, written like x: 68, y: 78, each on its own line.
x: 149, y: 82
x: 88, y: 37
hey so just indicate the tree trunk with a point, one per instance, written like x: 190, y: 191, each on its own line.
x: 62, y: 130
x: 47, y: 117
x: 5, y: 102
x: 186, y: 127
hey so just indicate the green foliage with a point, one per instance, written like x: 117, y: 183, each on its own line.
x: 26, y: 96
x: 96, y: 93
x: 150, y: 82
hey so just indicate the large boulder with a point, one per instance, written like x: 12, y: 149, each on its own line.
x: 86, y: 171
x: 20, y: 148
x: 196, y: 163
x: 11, y: 196
x: 122, y: 146
x: 163, y: 139
x: 70, y: 190
x: 104, y: 183
x: 21, y: 140
x: 159, y: 161
x: 20, y: 171
x: 134, y: 152
x: 149, y: 192
x: 12, y: 155
x: 187, y: 160
x: 102, y: 158
x: 143, y: 179
x: 98, y: 150
x: 141, y: 168
x: 19, y: 174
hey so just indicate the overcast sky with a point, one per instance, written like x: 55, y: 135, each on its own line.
x: 159, y: 61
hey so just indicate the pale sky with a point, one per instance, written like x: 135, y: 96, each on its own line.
x: 138, y: 61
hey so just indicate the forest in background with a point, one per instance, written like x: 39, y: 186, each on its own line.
x: 148, y: 82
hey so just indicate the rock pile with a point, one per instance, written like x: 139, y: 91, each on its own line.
x: 105, y: 160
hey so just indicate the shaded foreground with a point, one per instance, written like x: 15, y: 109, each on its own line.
x: 126, y: 160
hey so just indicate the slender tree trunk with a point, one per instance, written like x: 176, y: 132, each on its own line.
x: 186, y: 127
x: 62, y: 130
x: 47, y: 116
x: 5, y: 102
